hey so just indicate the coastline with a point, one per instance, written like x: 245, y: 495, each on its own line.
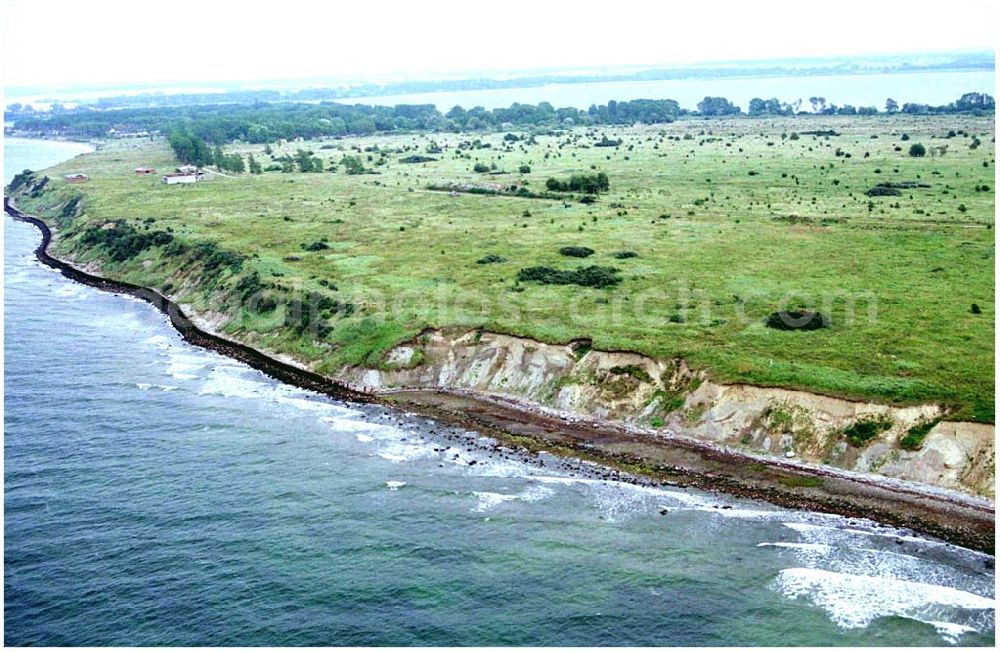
x: 959, y: 519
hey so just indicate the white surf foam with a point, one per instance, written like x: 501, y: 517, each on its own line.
x: 394, y: 485
x: 848, y: 537
x: 229, y: 382
x: 854, y: 601
x: 183, y: 367
x: 73, y: 291
x: 951, y: 632
x: 400, y: 451
x: 316, y: 405
x: 161, y: 342
x: 349, y: 423
x: 488, y: 500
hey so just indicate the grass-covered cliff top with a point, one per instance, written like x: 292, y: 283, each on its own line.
x: 709, y: 225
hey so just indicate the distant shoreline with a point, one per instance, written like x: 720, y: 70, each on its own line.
x: 310, y: 91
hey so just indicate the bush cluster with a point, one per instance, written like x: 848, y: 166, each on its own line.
x: 576, y: 252
x: 123, y: 242
x: 592, y: 276
x: 914, y: 437
x: 590, y: 184
x: 797, y: 320
x: 867, y: 428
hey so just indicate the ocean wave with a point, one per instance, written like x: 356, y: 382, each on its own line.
x: 892, y: 564
x: 346, y: 421
x: 71, y: 291
x: 183, y: 367
x: 854, y: 601
x: 400, y: 451
x: 489, y: 499
x: 848, y: 536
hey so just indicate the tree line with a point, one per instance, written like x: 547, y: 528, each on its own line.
x: 268, y: 123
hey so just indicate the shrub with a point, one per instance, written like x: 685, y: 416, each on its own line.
x: 576, y: 252
x: 489, y: 259
x: 481, y: 168
x: 797, y: 320
x: 867, y: 428
x: 524, y: 169
x: 590, y: 184
x: 592, y: 276
x: 353, y: 165
x: 315, y: 246
x: 914, y: 437
x: 213, y: 257
x: 882, y: 191
x: 21, y: 179
x: 635, y: 371
x: 69, y: 210
x: 124, y: 242
x: 916, y: 149
x: 416, y: 158
x: 622, y: 255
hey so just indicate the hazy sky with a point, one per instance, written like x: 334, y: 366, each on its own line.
x: 48, y: 42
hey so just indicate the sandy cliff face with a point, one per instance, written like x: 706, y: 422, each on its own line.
x: 667, y: 395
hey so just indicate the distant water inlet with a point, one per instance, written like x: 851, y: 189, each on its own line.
x: 160, y: 494
x: 934, y: 88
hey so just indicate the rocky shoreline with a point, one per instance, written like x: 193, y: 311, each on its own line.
x: 632, y: 456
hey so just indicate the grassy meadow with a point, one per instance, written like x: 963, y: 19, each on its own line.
x: 729, y: 220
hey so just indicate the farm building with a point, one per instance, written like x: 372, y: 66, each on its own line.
x: 182, y: 177
x: 77, y: 177
x: 144, y: 170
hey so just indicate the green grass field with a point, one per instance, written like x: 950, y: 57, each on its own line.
x: 730, y: 220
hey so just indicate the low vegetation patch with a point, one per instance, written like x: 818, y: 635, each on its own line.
x: 801, y: 481
x: 623, y: 255
x: 490, y: 259
x: 740, y: 257
x: 507, y: 191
